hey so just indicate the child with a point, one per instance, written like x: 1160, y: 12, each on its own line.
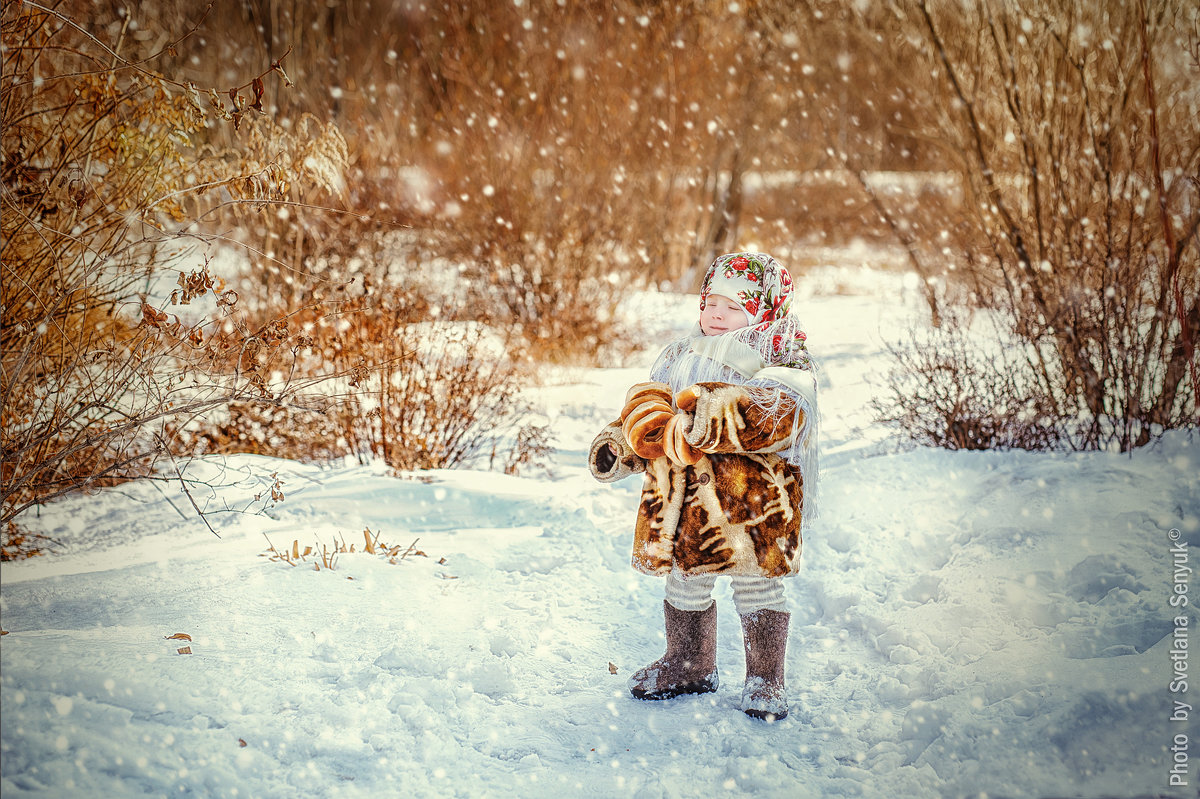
x: 726, y: 435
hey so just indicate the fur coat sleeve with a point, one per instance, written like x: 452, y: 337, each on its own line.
x: 728, y: 418
x: 610, y: 458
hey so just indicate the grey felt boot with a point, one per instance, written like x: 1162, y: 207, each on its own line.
x: 690, y: 663
x: 765, y: 633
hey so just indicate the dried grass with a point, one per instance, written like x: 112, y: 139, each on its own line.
x: 325, y: 557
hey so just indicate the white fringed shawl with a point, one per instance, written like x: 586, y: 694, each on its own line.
x: 753, y: 356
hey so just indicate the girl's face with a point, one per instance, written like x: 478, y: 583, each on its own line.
x: 720, y: 315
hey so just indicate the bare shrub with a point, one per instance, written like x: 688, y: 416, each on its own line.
x: 457, y: 397
x: 113, y: 334
x: 257, y: 429
x: 947, y: 390
x: 414, y: 394
x: 1075, y: 133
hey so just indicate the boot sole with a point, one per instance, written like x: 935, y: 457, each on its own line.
x: 700, y: 687
x: 765, y: 715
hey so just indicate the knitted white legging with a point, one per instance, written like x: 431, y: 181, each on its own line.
x: 694, y: 592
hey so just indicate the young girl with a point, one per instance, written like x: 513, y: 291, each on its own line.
x: 726, y: 435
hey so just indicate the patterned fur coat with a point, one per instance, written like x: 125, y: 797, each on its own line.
x: 738, y: 509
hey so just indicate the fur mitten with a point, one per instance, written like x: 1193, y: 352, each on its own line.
x: 676, y: 446
x: 732, y: 418
x: 610, y: 458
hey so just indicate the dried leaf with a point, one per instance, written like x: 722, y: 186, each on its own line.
x: 257, y: 86
x: 152, y: 317
x: 184, y: 650
x: 279, y: 68
x: 215, y: 100
x: 296, y: 549
x: 193, y: 98
x: 612, y: 668
x: 179, y: 637
x: 242, y: 742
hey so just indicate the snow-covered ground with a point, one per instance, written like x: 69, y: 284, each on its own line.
x: 966, y: 624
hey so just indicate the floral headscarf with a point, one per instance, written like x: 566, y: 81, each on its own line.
x: 763, y: 287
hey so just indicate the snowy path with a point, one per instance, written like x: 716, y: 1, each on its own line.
x: 966, y: 624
